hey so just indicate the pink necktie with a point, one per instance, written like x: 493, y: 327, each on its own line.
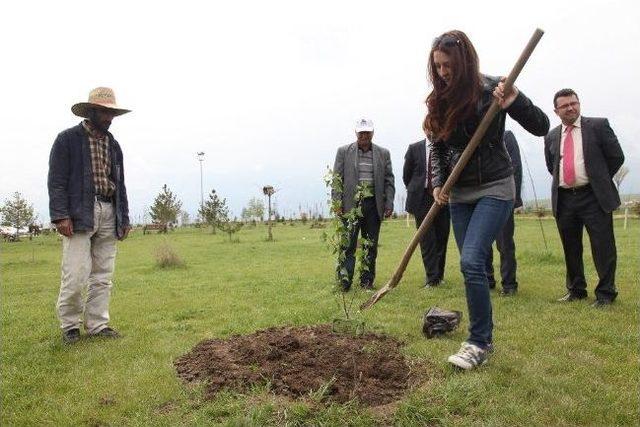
x: 568, y: 167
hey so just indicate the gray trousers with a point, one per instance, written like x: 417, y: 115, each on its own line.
x: 88, y: 260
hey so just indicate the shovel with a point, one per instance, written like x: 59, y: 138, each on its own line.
x: 457, y: 169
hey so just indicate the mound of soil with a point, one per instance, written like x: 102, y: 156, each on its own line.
x: 300, y: 360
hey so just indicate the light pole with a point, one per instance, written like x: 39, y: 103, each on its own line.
x: 201, y: 159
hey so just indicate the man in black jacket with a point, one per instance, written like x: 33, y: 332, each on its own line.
x: 583, y: 155
x: 504, y: 241
x: 416, y: 175
x: 88, y: 204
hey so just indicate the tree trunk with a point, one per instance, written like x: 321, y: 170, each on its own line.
x: 270, y: 238
x: 17, y: 224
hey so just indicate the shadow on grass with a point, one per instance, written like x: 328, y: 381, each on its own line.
x: 542, y: 257
x: 25, y: 263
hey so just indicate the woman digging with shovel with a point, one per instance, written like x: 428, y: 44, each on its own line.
x: 482, y: 198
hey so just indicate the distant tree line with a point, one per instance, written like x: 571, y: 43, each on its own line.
x: 16, y: 212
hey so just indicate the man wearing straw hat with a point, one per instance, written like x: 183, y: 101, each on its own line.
x: 88, y: 205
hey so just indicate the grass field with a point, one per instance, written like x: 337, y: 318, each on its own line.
x: 555, y: 364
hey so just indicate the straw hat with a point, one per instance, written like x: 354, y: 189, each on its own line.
x: 102, y: 97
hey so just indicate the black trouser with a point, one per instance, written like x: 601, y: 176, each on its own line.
x: 576, y: 210
x: 507, y: 249
x: 369, y: 225
x: 433, y: 245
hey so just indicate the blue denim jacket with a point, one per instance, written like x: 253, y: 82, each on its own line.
x: 70, y: 181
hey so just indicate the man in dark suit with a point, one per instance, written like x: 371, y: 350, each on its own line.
x: 583, y: 155
x: 363, y: 164
x: 416, y: 175
x: 504, y: 241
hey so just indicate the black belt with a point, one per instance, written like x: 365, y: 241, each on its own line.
x: 101, y: 198
x: 574, y: 190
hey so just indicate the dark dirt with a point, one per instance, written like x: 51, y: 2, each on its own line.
x: 296, y: 361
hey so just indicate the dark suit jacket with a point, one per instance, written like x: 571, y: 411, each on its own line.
x: 602, y: 158
x: 414, y: 175
x: 511, y: 144
x: 70, y: 181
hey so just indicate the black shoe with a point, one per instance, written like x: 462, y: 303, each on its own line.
x: 508, y: 292
x: 107, y: 333
x: 571, y: 297
x: 71, y: 336
x: 367, y: 286
x: 601, y: 303
x: 432, y: 284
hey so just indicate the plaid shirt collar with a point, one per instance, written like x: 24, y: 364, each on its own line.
x: 100, y: 160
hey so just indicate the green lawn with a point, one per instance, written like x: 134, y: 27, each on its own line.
x: 555, y: 364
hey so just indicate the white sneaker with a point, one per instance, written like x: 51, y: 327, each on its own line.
x: 470, y: 356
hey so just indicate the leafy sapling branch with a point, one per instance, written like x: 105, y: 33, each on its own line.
x: 342, y: 226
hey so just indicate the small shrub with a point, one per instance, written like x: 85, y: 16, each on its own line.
x: 167, y: 257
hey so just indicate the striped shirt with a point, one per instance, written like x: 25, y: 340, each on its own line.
x: 100, y: 160
x: 365, y: 166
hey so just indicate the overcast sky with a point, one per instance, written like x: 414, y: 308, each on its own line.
x: 269, y: 90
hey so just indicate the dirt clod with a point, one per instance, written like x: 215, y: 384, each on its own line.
x: 302, y: 361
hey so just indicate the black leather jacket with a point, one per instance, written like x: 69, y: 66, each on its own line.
x: 490, y: 162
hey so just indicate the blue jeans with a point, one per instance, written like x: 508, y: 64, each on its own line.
x: 475, y: 226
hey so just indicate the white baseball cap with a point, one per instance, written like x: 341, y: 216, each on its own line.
x: 364, y: 125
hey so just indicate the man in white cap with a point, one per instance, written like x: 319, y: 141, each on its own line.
x: 89, y: 207
x: 365, y: 164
